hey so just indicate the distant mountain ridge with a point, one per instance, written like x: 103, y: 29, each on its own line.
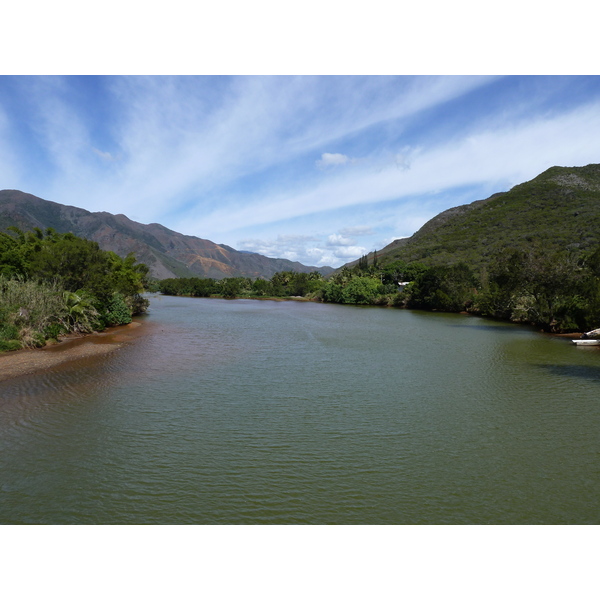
x: 166, y: 252
x: 559, y: 209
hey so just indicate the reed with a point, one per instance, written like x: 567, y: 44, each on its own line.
x: 29, y: 311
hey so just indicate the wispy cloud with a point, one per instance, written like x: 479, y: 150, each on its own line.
x: 183, y: 136
x: 339, y: 240
x: 333, y: 160
x: 233, y: 159
x: 504, y: 156
x: 349, y: 252
x: 299, y: 248
x: 318, y: 251
x: 104, y: 155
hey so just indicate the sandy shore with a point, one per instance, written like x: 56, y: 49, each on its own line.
x: 24, y: 362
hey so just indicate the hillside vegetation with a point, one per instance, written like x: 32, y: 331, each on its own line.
x: 559, y: 210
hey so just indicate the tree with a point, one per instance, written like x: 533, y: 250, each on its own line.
x: 552, y: 290
x: 333, y: 292
x: 360, y: 290
x: 262, y: 287
x: 449, y: 289
x: 400, y: 271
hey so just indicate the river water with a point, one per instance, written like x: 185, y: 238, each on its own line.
x: 262, y: 412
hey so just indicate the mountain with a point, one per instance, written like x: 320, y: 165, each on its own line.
x: 559, y: 209
x: 166, y: 252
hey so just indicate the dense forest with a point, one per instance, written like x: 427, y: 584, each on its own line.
x: 555, y: 291
x: 53, y: 283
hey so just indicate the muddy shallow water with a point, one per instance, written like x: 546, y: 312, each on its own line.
x: 73, y: 348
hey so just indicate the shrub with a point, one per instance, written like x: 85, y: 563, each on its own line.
x: 81, y: 315
x: 361, y: 290
x: 332, y: 292
x: 117, y: 312
x: 9, y: 331
x: 54, y: 331
x: 31, y: 338
x: 9, y: 345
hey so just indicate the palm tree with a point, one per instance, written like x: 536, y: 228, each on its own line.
x: 81, y: 313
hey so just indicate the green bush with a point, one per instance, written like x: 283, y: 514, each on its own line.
x: 399, y: 299
x: 333, y: 292
x: 82, y: 315
x: 448, y: 289
x: 54, y: 331
x: 117, y: 312
x: 9, y: 331
x: 361, y: 290
x: 9, y: 345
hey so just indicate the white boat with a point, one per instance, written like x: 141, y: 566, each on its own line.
x: 586, y: 342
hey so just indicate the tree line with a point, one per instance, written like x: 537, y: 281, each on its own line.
x: 56, y: 283
x: 557, y: 292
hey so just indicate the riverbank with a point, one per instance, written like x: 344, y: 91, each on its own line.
x: 28, y: 361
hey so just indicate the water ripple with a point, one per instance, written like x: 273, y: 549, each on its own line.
x: 250, y: 412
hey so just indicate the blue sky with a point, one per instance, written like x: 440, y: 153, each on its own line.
x: 320, y: 169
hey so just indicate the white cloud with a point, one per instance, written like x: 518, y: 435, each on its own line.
x: 332, y: 160
x: 343, y: 249
x: 104, y: 155
x: 309, y: 250
x: 339, y: 240
x: 291, y: 247
x: 349, y: 252
x: 378, y: 163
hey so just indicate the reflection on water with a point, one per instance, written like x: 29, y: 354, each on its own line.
x: 589, y: 372
x: 281, y: 412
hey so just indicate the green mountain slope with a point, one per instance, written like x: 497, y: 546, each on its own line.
x: 559, y: 209
x: 166, y: 252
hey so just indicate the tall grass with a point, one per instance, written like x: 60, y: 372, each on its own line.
x: 30, y: 312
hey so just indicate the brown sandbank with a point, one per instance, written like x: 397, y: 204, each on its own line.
x: 24, y: 362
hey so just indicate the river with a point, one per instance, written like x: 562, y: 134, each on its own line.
x: 264, y: 412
